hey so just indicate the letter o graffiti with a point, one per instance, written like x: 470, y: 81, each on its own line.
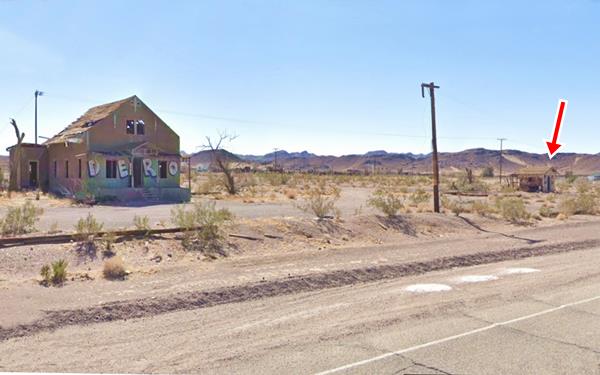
x: 173, y: 168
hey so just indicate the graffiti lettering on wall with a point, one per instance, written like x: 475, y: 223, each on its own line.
x: 93, y: 168
x: 123, y: 168
x: 148, y: 170
x: 173, y: 168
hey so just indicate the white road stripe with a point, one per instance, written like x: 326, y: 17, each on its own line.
x: 454, y: 337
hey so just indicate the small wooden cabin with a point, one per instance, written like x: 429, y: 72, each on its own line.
x: 535, y: 179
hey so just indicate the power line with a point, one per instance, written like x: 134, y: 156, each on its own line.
x: 255, y: 122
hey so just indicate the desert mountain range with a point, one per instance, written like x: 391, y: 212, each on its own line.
x: 477, y: 158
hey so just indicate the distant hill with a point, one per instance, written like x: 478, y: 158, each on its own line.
x: 477, y: 158
x: 205, y: 157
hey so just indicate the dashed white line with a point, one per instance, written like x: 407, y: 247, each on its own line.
x: 454, y: 337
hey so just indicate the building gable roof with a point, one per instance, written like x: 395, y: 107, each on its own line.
x: 87, y: 120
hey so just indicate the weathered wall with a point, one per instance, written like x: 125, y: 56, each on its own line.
x: 60, y: 153
x: 111, y: 133
x: 20, y: 176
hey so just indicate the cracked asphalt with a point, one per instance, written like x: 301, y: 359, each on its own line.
x: 550, y: 323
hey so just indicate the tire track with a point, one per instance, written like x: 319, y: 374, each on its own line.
x: 131, y: 309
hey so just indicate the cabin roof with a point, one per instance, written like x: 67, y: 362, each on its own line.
x: 537, y: 171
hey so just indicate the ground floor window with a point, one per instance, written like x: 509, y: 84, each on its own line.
x: 162, y: 169
x: 111, y: 169
x: 79, y: 169
x: 66, y: 169
x: 55, y: 169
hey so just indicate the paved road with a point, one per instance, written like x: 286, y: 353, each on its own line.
x: 351, y: 200
x: 531, y: 316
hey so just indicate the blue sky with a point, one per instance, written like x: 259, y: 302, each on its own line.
x: 329, y: 76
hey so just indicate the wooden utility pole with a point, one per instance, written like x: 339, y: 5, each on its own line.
x: 434, y: 156
x: 500, y: 167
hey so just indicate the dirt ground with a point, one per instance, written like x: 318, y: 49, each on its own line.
x: 273, y: 248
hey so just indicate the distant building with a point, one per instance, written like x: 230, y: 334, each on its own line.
x: 120, y: 150
x: 534, y: 179
x: 594, y: 177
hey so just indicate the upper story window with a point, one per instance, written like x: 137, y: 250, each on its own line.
x: 140, y: 126
x: 130, y: 127
x: 135, y: 127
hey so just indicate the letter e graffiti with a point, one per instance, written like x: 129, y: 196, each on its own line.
x: 93, y: 168
x: 123, y: 169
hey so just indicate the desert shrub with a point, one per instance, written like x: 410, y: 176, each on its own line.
x: 320, y: 201
x: 513, y: 209
x: 202, y: 226
x: 54, y: 228
x: 386, y: 201
x: 468, y: 183
x: 482, y: 208
x: 142, y: 223
x: 487, y: 172
x: 46, y: 274
x: 114, y: 269
x: 290, y: 193
x: 211, y: 185
x: 20, y: 220
x: 277, y: 179
x: 547, y: 211
x: 581, y: 204
x: 570, y: 177
x: 59, y: 272
x: 109, y: 238
x: 54, y: 273
x: 87, y: 230
x: 419, y: 196
x: 583, y: 186
x: 457, y: 206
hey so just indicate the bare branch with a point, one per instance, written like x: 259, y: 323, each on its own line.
x: 19, y: 136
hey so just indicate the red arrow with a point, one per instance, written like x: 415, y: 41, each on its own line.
x: 553, y: 146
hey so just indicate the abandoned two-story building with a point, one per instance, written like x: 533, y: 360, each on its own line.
x: 118, y: 151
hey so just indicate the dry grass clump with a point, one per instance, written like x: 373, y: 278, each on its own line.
x: 582, y: 204
x: 321, y: 201
x: 203, y: 227
x: 291, y: 193
x: 20, y: 220
x: 548, y: 211
x: 114, y: 269
x: 482, y: 208
x: 54, y: 273
x: 142, y: 223
x: 457, y: 207
x: 386, y: 201
x: 513, y: 209
x: 419, y: 196
x: 87, y: 229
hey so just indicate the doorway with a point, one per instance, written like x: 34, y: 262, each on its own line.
x: 138, y: 180
x: 33, y: 174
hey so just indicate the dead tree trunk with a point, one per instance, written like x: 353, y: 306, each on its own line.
x: 15, y: 162
x: 222, y: 162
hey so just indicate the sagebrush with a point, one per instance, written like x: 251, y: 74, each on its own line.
x: 386, y: 201
x: 202, y: 224
x: 20, y: 220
